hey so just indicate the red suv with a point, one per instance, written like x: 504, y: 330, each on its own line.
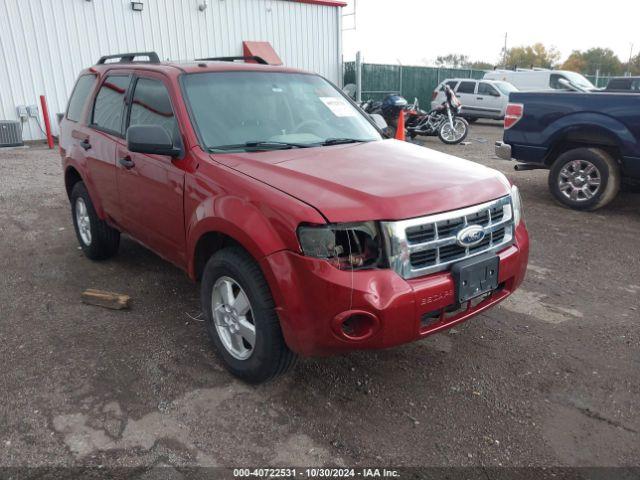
x: 310, y: 233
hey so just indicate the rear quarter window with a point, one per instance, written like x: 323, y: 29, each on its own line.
x: 451, y: 83
x: 79, y: 96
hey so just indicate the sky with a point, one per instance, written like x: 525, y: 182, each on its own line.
x: 412, y: 31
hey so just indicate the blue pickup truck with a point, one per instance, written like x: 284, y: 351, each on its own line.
x: 590, y: 142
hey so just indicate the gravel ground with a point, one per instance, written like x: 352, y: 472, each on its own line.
x: 549, y: 378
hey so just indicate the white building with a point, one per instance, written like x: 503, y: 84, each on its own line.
x: 45, y: 43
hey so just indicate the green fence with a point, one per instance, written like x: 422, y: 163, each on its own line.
x: 599, y: 82
x: 379, y: 80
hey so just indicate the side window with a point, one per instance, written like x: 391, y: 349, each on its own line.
x: 554, y: 82
x: 109, y: 107
x: 467, y: 87
x: 451, y: 83
x: 79, y: 96
x: 635, y: 85
x: 486, y: 89
x: 617, y: 84
x: 151, y: 105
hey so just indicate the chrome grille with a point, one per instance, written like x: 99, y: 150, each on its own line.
x: 420, y: 246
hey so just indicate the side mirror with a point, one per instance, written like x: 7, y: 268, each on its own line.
x: 151, y: 139
x: 378, y: 120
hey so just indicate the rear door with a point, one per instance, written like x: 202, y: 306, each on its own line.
x: 489, y: 100
x: 73, y: 129
x: 151, y: 187
x: 466, y: 94
x: 105, y: 133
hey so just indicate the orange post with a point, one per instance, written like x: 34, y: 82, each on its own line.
x: 400, y: 129
x: 47, y: 122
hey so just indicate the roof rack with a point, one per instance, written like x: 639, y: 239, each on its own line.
x: 129, y: 57
x: 255, y: 58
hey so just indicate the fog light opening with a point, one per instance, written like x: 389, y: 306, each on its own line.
x: 355, y: 325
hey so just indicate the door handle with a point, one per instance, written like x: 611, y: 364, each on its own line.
x: 85, y: 144
x: 127, y: 163
x: 479, y: 98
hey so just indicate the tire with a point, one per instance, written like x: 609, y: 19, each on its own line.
x: 471, y: 119
x: 391, y: 131
x: 269, y: 356
x: 97, y: 239
x: 584, y: 178
x: 458, y: 122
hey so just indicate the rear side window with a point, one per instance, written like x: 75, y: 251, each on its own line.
x: 486, y: 89
x: 151, y: 105
x: 81, y: 91
x: 109, y: 107
x: 618, y: 84
x: 467, y: 87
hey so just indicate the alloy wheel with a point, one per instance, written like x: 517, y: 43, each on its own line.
x: 83, y: 221
x: 455, y: 133
x: 233, y: 318
x: 579, y: 180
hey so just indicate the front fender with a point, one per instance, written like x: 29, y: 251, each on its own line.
x: 235, y: 218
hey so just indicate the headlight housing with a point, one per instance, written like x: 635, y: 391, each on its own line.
x: 516, y: 201
x: 346, y: 246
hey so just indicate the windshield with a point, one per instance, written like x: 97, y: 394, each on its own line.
x: 272, y: 110
x: 578, y: 79
x: 505, y: 87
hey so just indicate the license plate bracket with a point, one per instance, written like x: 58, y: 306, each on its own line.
x: 475, y: 276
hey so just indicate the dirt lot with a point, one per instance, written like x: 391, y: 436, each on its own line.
x: 548, y: 378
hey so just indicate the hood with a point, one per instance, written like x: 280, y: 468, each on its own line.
x: 381, y: 180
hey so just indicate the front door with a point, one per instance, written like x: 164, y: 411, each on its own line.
x: 151, y: 187
x: 489, y: 100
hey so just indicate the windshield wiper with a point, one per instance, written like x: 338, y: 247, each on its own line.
x: 261, y: 144
x: 340, y: 141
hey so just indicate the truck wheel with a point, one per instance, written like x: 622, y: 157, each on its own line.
x: 584, y: 178
x: 241, y: 319
x: 97, y: 239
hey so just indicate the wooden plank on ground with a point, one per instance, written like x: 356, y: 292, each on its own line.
x: 115, y: 301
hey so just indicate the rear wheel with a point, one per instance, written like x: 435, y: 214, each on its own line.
x: 97, y: 239
x: 585, y: 178
x: 241, y: 319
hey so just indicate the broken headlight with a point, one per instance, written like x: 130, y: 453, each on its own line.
x: 345, y: 245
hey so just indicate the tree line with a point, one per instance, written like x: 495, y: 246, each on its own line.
x: 588, y: 62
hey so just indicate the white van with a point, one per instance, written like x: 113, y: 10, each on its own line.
x: 542, y: 79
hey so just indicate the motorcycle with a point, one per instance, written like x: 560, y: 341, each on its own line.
x: 389, y: 108
x: 443, y: 121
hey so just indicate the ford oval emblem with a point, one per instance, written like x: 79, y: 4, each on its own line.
x: 470, y: 236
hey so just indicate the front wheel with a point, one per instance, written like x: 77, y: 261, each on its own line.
x: 584, y: 178
x: 454, y: 135
x: 241, y: 319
